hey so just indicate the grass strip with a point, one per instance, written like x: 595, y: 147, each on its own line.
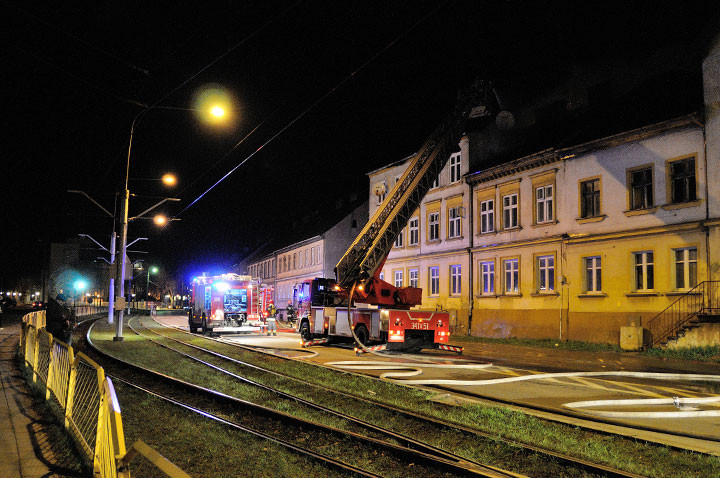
x: 620, y: 452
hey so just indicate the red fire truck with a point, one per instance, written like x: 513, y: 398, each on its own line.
x: 322, y: 312
x: 225, y: 302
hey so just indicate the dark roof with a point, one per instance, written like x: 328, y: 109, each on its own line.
x: 593, y: 101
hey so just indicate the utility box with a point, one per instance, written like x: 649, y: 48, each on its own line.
x: 119, y: 303
x: 631, y: 338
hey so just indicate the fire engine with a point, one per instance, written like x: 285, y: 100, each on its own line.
x: 225, y: 302
x: 358, y: 303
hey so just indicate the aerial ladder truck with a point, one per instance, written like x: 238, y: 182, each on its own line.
x: 358, y: 303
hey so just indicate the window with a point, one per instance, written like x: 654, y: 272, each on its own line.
x: 398, y: 278
x: 414, y: 232
x: 641, y: 189
x: 510, y: 211
x: 294, y: 265
x: 455, y: 276
x: 644, y: 273
x: 455, y: 167
x: 382, y: 275
x: 546, y: 273
x: 435, y: 183
x: 487, y: 216
x: 544, y: 204
x: 487, y: 271
x: 434, y: 226
x: 682, y: 181
x: 685, y: 268
x: 312, y: 255
x: 319, y: 259
x: 399, y: 240
x: 454, y: 222
x: 593, y: 274
x: 590, y: 198
x: 413, y: 277
x: 434, y: 277
x: 512, y: 275
x: 381, y: 192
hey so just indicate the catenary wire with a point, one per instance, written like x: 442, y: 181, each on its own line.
x: 315, y: 103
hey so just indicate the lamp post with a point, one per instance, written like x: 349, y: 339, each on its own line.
x: 154, y: 270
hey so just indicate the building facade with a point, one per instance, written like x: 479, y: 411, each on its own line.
x: 569, y: 244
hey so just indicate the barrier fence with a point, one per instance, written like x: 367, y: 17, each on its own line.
x: 92, y: 413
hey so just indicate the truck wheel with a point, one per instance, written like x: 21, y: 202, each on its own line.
x: 192, y: 326
x: 305, y: 331
x: 362, y: 334
x: 203, y: 327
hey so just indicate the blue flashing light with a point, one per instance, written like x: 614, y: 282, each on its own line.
x: 221, y: 286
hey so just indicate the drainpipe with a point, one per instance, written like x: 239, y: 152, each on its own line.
x: 471, y: 286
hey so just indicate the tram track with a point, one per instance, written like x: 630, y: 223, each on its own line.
x: 439, y: 425
x: 256, y: 418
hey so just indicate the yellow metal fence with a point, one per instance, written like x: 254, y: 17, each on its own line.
x: 92, y: 412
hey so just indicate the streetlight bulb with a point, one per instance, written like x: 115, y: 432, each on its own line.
x: 160, y: 220
x: 169, y: 179
x: 154, y: 269
x: 80, y: 284
x: 217, y: 111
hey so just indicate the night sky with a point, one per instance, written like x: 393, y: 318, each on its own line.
x: 361, y: 84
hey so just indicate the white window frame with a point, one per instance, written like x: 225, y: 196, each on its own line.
x: 646, y: 263
x: 414, y: 231
x: 512, y: 276
x: 544, y: 204
x: 454, y: 222
x: 684, y: 263
x: 413, y: 277
x: 434, y: 280
x: 546, y: 273
x: 398, y: 279
x: 399, y: 240
x: 487, y: 216
x: 381, y: 197
x: 510, y: 206
x: 434, y: 224
x: 455, y: 279
x: 487, y: 277
x: 455, y: 163
x: 382, y: 275
x: 593, y: 274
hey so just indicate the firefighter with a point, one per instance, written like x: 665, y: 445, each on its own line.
x: 271, y: 321
x: 291, y: 314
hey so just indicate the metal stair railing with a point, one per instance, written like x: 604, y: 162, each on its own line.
x: 703, y: 298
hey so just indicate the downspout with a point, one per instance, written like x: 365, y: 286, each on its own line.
x: 471, y: 286
x: 706, y: 229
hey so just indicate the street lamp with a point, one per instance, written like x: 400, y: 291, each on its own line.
x: 79, y: 286
x: 154, y: 270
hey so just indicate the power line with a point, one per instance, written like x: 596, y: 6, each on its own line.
x: 315, y: 103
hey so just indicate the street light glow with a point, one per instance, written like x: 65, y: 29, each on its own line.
x: 160, y: 220
x: 214, y: 105
x: 154, y: 269
x: 80, y: 284
x: 169, y: 179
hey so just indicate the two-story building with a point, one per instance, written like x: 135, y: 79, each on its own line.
x: 576, y: 242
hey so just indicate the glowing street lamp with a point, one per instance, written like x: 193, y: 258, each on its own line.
x: 153, y: 270
x: 169, y: 179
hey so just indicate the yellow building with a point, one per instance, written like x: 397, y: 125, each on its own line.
x: 568, y: 243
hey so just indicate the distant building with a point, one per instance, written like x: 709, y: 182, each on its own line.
x: 322, y: 242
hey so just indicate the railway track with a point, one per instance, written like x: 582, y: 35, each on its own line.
x: 289, y: 430
x: 439, y: 426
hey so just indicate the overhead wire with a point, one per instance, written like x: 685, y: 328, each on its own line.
x: 315, y: 103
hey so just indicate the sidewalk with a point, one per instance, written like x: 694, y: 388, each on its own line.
x: 27, y: 446
x: 559, y: 360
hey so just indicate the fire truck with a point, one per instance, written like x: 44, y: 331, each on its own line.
x: 358, y: 303
x: 225, y: 302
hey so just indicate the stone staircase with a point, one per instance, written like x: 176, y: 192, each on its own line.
x: 690, y: 312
